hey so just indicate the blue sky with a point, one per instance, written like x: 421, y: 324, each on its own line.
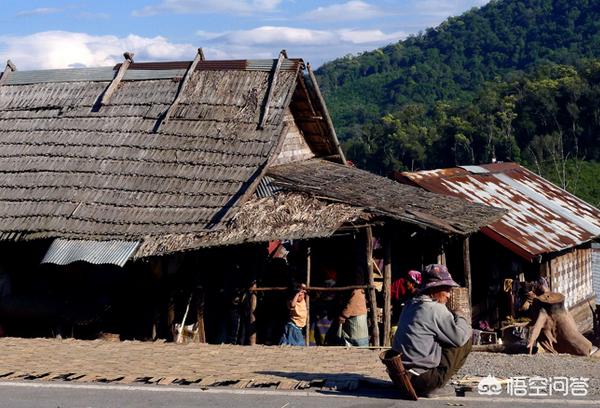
x: 43, y: 34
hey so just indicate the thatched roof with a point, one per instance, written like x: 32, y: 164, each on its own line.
x: 171, y: 157
x: 75, y: 169
x: 381, y: 196
x: 281, y: 216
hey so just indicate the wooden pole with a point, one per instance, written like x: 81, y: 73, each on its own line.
x: 307, y: 296
x: 117, y: 79
x: 467, y: 266
x: 372, y: 298
x: 325, y: 113
x: 182, y: 85
x: 272, y: 84
x: 200, y: 315
x: 387, y: 285
x: 312, y: 288
x: 252, y: 316
x: 10, y: 68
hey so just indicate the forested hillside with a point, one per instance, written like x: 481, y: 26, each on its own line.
x: 515, y: 80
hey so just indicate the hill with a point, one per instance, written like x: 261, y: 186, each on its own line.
x: 514, y: 80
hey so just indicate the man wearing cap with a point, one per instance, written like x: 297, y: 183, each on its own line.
x: 433, y: 341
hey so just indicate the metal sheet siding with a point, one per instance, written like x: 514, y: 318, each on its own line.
x: 65, y: 251
x: 542, y: 218
x: 596, y: 271
x: 572, y: 276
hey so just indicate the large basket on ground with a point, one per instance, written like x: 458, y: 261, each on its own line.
x: 459, y: 302
x: 395, y: 369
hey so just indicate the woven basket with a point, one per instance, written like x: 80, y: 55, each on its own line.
x: 459, y: 302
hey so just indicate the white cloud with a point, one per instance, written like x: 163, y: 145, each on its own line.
x: 270, y: 35
x: 61, y: 49
x: 369, y: 36
x: 93, y: 16
x: 38, y: 11
x: 316, y: 46
x: 208, y: 6
x: 445, y: 8
x: 352, y: 10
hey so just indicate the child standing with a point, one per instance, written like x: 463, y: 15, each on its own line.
x: 292, y: 333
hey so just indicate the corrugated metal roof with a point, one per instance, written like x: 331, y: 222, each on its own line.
x: 66, y: 251
x: 142, y: 71
x: 542, y: 218
x: 60, y: 75
x: 266, y: 188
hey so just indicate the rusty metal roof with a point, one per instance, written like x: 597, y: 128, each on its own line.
x: 542, y: 217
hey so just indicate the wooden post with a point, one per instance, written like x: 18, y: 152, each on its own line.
x: 252, y: 316
x: 441, y: 258
x: 200, y: 315
x: 467, y: 266
x: 372, y: 298
x: 307, y: 296
x: 387, y: 286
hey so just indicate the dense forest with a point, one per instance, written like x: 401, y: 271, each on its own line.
x: 516, y: 80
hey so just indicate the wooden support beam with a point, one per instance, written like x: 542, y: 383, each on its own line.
x: 325, y: 113
x: 387, y: 286
x: 312, y: 288
x: 252, y: 316
x: 188, y: 75
x: 272, y: 83
x: 467, y: 266
x: 10, y: 68
x: 200, y: 315
x: 117, y: 79
x: 307, y: 296
x: 372, y: 298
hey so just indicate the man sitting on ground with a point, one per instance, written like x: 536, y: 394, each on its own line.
x: 433, y: 341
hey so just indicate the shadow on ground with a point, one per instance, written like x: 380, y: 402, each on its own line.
x: 341, y: 383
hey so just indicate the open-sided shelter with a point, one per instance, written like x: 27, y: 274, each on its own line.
x: 130, y: 163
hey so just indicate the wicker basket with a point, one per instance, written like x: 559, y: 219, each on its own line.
x: 459, y: 302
